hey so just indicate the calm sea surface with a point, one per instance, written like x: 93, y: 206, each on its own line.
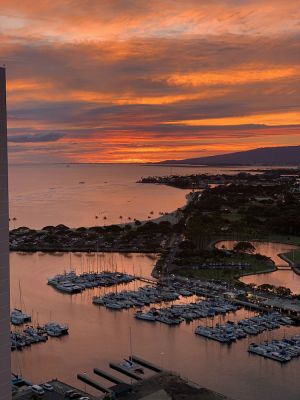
x: 74, y: 195
x: 51, y: 195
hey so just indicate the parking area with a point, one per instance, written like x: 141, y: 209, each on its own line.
x: 58, y: 393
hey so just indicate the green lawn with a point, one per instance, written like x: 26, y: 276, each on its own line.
x: 290, y: 239
x: 294, y: 256
x: 232, y: 217
x: 257, y: 266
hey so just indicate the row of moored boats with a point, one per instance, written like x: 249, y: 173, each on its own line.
x: 71, y: 283
x: 18, y: 317
x: 230, y: 331
x: 143, y: 296
x: 178, y: 313
x: 279, y: 350
x: 31, y: 335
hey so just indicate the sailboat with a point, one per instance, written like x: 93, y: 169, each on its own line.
x: 17, y: 316
x: 128, y: 363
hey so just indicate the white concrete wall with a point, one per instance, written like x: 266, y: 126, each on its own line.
x: 5, y: 368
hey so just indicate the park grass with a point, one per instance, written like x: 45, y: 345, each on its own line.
x: 263, y: 237
x: 257, y: 266
x: 288, y: 239
x: 294, y: 256
x: 232, y: 217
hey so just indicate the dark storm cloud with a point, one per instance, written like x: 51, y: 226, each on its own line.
x: 36, y: 138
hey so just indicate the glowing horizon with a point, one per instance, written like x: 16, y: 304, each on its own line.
x: 139, y: 81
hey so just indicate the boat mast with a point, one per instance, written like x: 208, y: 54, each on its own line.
x: 130, y: 344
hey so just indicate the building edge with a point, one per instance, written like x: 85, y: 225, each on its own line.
x: 5, y: 351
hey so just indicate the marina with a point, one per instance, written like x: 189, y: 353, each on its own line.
x: 18, y: 317
x: 71, y: 283
x: 283, y: 350
x: 104, y: 335
x: 33, y: 335
x: 178, y: 313
x: 229, y: 331
x: 145, y: 295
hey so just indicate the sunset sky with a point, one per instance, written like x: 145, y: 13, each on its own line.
x: 148, y: 80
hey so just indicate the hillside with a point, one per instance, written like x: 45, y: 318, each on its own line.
x: 288, y: 155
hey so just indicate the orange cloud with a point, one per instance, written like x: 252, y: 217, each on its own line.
x: 148, y: 80
x: 272, y: 119
x: 243, y: 75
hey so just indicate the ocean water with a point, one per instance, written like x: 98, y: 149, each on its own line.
x: 75, y: 194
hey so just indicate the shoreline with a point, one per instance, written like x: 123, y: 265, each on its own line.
x: 290, y: 262
x: 283, y: 256
x: 76, y: 250
x: 265, y: 271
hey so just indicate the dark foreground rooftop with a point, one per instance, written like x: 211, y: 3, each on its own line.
x: 166, y: 386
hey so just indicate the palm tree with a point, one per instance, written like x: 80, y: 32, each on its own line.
x: 14, y: 220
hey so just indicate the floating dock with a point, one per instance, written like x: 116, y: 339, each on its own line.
x: 146, y: 364
x: 94, y: 384
x: 108, y: 376
x: 125, y: 372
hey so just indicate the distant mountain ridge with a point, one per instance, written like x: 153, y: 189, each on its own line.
x: 287, y: 155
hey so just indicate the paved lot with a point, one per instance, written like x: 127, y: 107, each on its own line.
x: 60, y: 389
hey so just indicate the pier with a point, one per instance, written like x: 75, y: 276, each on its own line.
x: 146, y: 364
x: 108, y: 376
x: 91, y: 382
x: 146, y: 280
x: 125, y: 371
x: 120, y: 387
